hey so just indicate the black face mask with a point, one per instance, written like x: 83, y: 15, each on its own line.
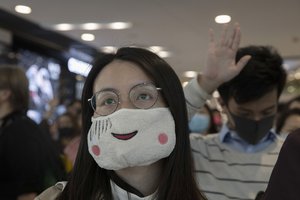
x: 66, y: 132
x: 252, y: 131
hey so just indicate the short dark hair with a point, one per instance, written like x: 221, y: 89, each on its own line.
x: 89, y: 181
x: 263, y: 73
x: 14, y: 79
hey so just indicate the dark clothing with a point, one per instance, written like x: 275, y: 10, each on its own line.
x: 285, y: 179
x: 28, y: 162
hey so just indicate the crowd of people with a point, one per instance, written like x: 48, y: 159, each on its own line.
x: 138, y: 134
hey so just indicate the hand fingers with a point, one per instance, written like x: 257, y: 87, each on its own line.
x: 243, y: 61
x: 237, y: 38
x: 231, y: 38
x: 224, y: 34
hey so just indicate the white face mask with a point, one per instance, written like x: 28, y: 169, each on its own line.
x: 131, y: 137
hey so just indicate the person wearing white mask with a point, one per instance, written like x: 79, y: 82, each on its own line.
x: 135, y: 143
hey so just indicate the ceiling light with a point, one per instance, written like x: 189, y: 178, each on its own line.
x: 91, y: 26
x: 164, y: 54
x: 156, y: 49
x: 119, y: 25
x: 190, y: 74
x: 222, y: 19
x: 23, y: 9
x: 87, y: 37
x: 108, y: 49
x: 64, y: 27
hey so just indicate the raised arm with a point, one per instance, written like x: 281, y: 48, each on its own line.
x: 220, y: 67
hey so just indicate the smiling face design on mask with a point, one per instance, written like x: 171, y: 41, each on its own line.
x: 131, y: 137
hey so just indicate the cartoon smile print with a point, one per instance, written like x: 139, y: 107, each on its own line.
x: 125, y: 136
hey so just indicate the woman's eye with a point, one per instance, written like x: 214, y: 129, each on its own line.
x: 109, y: 102
x: 144, y: 97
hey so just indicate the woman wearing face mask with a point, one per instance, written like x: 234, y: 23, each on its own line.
x: 135, y: 143
x: 202, y: 122
x: 132, y: 148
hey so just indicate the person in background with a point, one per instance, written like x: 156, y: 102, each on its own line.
x: 288, y: 121
x: 135, y: 142
x: 74, y: 107
x: 246, y: 148
x: 68, y: 131
x: 217, y: 117
x: 285, y: 179
x: 293, y: 103
x: 29, y: 162
x: 203, y: 122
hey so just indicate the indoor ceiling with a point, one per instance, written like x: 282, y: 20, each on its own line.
x: 181, y: 27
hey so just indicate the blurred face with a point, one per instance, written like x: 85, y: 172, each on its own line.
x: 255, y: 110
x: 122, y: 76
x: 291, y: 123
x: 64, y: 122
x: 75, y: 109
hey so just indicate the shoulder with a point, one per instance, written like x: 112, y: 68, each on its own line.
x: 52, y: 192
x: 291, y: 144
x: 200, y: 143
x: 198, y: 138
x: 20, y: 122
x: 294, y: 138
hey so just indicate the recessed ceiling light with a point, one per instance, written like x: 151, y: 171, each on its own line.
x: 156, y: 49
x: 118, y: 25
x: 108, y: 49
x: 164, y: 54
x: 64, y: 27
x: 23, y: 9
x: 91, y: 26
x: 87, y: 37
x: 190, y: 74
x: 222, y: 19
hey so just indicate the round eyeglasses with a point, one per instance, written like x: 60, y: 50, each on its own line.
x: 142, y: 96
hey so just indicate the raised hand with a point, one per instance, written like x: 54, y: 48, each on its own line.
x: 220, y: 65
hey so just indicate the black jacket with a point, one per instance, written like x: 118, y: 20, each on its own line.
x: 28, y: 160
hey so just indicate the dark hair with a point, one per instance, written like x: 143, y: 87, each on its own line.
x: 89, y: 181
x: 284, y: 116
x: 14, y: 79
x: 263, y: 73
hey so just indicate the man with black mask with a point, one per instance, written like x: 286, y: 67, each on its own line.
x: 237, y: 162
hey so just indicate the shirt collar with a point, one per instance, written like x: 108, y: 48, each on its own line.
x: 226, y: 134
